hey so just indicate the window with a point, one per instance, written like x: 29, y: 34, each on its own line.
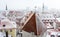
x: 51, y: 20
x: 0, y: 30
x: 48, y: 20
x: 4, y: 36
x: 4, y: 25
x: 59, y: 36
x: 10, y: 30
x: 11, y: 36
x: 52, y: 35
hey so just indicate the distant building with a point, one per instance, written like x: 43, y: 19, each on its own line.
x: 47, y: 19
x: 8, y: 27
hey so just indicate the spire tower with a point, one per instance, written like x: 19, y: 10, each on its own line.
x: 6, y: 8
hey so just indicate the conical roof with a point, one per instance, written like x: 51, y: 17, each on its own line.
x: 33, y: 24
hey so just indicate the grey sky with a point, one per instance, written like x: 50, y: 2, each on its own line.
x: 22, y: 4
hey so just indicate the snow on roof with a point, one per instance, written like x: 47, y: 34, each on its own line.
x: 58, y: 19
x: 7, y: 24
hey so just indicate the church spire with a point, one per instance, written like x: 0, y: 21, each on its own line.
x: 6, y: 8
x: 43, y: 8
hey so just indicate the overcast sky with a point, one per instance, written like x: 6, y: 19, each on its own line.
x: 22, y: 4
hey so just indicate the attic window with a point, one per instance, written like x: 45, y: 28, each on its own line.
x: 4, y: 25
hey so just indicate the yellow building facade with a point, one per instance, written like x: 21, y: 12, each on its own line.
x: 11, y: 32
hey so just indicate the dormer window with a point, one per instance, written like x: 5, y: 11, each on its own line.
x: 4, y: 25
